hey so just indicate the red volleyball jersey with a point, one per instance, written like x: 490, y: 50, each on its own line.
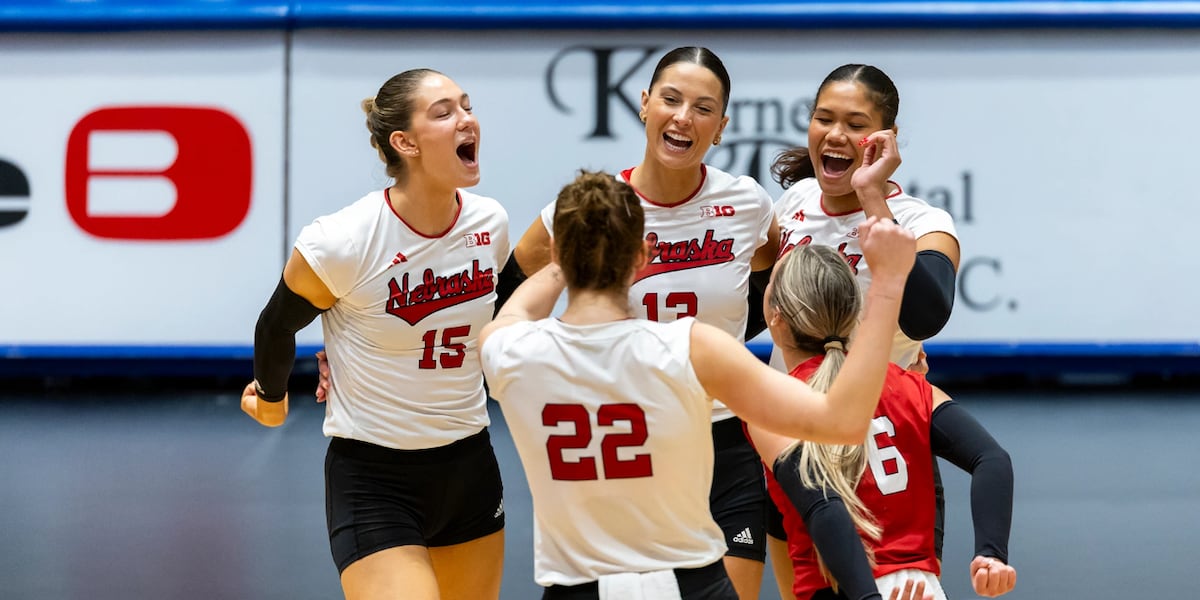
x: 897, y: 487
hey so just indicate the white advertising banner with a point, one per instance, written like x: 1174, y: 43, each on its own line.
x: 143, y: 176
x: 1062, y: 155
x: 141, y: 190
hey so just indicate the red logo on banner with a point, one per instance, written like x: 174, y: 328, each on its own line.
x: 206, y: 187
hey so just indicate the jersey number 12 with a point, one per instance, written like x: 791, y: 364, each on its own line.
x: 686, y: 301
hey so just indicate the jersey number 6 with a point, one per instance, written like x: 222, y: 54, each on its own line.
x: 890, y: 479
x: 585, y: 468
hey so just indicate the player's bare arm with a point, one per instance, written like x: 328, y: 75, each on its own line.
x: 533, y: 300
x: 532, y: 251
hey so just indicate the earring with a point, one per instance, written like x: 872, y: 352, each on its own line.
x: 717, y: 141
x: 642, y: 116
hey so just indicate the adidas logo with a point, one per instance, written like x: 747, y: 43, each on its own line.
x: 499, y: 510
x: 744, y: 537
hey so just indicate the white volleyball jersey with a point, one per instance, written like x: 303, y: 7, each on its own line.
x: 702, y: 248
x: 402, y: 336
x: 612, y: 427
x: 803, y: 220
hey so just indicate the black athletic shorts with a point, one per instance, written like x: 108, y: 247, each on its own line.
x: 775, y: 522
x: 739, y: 499
x: 378, y: 498
x: 703, y: 583
x: 829, y: 594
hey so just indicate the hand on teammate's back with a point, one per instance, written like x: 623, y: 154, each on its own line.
x: 910, y: 592
x: 323, y: 372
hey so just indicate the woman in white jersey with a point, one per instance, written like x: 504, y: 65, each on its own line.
x: 404, y: 279
x: 611, y: 414
x: 820, y: 206
x: 711, y: 237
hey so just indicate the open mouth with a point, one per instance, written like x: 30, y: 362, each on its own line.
x: 467, y: 153
x: 677, y: 142
x: 834, y: 164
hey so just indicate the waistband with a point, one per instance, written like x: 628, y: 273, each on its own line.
x: 687, y: 578
x: 366, y: 451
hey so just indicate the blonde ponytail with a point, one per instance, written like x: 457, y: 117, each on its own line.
x: 818, y: 297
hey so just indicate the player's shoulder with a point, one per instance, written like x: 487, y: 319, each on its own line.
x: 365, y: 206
x: 651, y: 338
x: 517, y: 330
x: 801, y: 192
x: 905, y: 203
x: 653, y: 332
x: 919, y: 216
x: 348, y: 220
x: 474, y: 202
x: 909, y: 388
x: 723, y: 180
x: 740, y: 190
x: 508, y: 340
x: 679, y: 327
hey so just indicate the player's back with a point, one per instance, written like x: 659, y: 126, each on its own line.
x: 897, y: 486
x: 612, y: 427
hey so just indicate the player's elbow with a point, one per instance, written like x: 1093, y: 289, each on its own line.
x: 926, y: 317
x: 928, y: 295
x: 999, y: 460
x: 849, y: 431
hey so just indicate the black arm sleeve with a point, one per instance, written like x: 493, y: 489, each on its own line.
x: 957, y: 437
x: 831, y: 529
x: 275, y: 339
x: 511, y: 277
x: 928, y: 295
x: 755, y: 321
x: 939, y: 512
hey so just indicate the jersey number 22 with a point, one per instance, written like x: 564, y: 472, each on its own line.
x: 585, y: 468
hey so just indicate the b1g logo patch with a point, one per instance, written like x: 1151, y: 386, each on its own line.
x: 483, y: 238
x: 716, y: 211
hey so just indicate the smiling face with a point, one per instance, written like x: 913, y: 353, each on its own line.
x: 442, y: 142
x: 844, y: 114
x: 684, y: 114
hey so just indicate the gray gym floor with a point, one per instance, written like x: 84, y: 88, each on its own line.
x: 108, y: 492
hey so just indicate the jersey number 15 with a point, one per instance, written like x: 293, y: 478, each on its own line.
x: 454, y: 352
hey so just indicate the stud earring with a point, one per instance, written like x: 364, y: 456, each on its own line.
x: 717, y: 141
x: 642, y: 116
